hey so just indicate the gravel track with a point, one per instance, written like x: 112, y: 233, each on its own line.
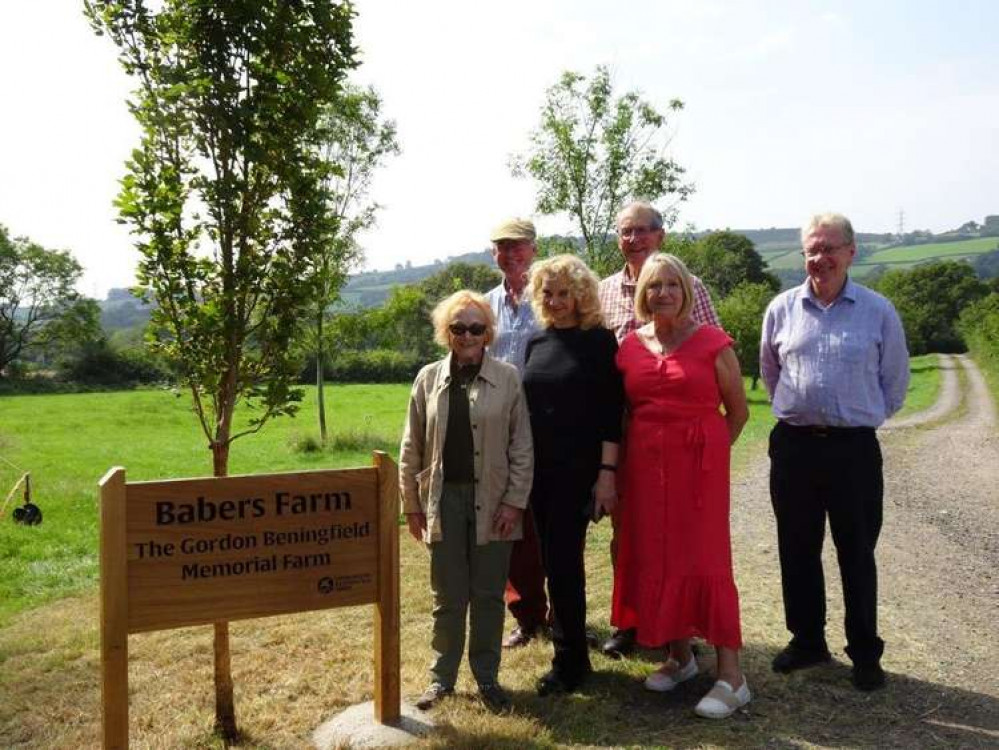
x: 948, y: 400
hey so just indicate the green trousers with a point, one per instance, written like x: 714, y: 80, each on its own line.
x: 466, y: 576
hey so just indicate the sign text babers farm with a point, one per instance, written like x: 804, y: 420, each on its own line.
x: 197, y: 551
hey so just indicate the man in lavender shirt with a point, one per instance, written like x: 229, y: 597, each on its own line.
x: 834, y: 361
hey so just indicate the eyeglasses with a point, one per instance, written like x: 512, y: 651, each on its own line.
x: 459, y: 329
x: 632, y: 233
x: 819, y: 250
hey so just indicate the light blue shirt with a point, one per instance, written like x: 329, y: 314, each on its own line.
x: 845, y: 365
x: 514, y: 327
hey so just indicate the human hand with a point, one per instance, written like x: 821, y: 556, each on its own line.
x: 604, y: 495
x: 417, y: 523
x: 505, y: 519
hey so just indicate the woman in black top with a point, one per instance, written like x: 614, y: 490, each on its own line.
x: 574, y: 396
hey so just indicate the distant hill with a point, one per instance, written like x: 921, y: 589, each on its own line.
x: 371, y: 288
x: 122, y: 310
x: 779, y: 246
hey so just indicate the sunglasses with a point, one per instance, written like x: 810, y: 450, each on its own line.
x: 476, y: 329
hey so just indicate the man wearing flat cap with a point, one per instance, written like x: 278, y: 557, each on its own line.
x: 514, y: 250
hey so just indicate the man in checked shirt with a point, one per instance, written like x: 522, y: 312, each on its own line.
x: 640, y: 234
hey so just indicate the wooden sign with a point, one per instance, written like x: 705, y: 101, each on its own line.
x: 197, y: 551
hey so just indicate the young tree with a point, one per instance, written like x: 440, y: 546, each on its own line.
x: 593, y: 151
x: 225, y: 196
x: 356, y: 142
x: 37, y: 295
x: 741, y: 314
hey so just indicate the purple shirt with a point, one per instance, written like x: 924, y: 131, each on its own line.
x: 845, y: 365
x: 514, y: 326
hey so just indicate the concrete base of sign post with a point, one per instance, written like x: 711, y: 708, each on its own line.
x: 357, y: 728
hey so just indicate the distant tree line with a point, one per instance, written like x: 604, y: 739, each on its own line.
x: 391, y: 342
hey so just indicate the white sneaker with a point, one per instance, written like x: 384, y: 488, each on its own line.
x: 662, y: 681
x: 721, y: 701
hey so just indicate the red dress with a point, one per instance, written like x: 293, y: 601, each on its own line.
x: 673, y: 572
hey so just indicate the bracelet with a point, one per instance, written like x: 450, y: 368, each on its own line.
x: 608, y: 467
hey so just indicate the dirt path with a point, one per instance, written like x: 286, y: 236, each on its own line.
x: 939, y: 587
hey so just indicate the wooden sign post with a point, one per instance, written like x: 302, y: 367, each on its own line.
x: 196, y: 551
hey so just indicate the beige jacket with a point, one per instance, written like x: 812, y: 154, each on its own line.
x: 501, y: 436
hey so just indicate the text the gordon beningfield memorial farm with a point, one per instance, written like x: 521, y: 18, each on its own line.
x: 250, y: 546
x: 268, y: 543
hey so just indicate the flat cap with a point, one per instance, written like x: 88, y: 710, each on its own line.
x: 514, y: 229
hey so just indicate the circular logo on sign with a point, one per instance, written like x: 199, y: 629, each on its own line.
x: 325, y: 585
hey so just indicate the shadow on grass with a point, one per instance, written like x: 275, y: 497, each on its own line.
x: 814, y: 707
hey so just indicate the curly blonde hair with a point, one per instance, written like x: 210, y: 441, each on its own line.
x: 582, y: 283
x: 652, y: 267
x: 448, y: 307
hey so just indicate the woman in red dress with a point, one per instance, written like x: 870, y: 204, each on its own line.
x: 673, y: 578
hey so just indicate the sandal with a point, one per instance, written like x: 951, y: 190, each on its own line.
x: 668, y: 676
x: 722, y: 701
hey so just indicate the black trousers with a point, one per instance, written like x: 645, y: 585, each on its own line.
x: 561, y: 522
x: 814, y: 473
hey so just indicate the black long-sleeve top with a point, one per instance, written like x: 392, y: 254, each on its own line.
x: 575, y: 397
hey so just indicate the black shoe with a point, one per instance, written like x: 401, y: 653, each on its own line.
x: 555, y: 682
x: 432, y: 696
x: 621, y: 643
x: 793, y: 658
x: 592, y: 640
x: 494, y: 697
x: 868, y: 676
x: 551, y: 684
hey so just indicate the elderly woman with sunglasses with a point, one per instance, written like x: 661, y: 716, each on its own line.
x: 466, y: 465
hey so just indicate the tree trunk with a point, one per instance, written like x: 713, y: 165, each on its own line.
x: 320, y: 351
x: 225, y: 708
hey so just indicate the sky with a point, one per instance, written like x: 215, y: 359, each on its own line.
x: 792, y: 107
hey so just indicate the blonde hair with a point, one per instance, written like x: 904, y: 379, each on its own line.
x: 582, y: 283
x: 831, y: 221
x: 448, y: 307
x: 653, y: 266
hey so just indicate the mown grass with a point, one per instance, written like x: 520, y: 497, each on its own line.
x: 941, y: 250
x: 924, y: 384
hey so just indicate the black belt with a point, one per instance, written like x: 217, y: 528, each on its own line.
x: 824, y: 431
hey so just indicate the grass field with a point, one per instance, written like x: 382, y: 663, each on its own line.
x: 289, y: 671
x: 894, y: 257
x: 941, y: 250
